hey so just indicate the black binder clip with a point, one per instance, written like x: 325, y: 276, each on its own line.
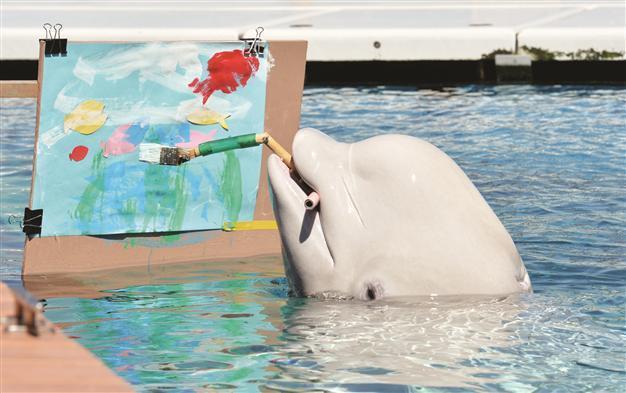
x: 254, y: 46
x: 32, y: 222
x: 55, y: 45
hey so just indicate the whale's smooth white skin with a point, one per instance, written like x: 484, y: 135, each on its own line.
x: 397, y: 217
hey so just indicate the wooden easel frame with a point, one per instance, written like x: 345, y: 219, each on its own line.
x: 67, y: 254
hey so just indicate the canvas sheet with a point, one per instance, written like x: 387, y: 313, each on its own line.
x: 104, y: 99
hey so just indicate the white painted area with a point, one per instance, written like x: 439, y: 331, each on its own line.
x: 154, y: 62
x: 336, y: 30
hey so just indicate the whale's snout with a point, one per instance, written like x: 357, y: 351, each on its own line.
x: 308, y: 264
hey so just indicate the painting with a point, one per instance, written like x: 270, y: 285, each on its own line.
x: 104, y: 99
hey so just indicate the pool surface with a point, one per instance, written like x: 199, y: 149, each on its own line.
x: 549, y: 160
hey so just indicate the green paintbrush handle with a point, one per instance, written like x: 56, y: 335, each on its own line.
x: 220, y: 145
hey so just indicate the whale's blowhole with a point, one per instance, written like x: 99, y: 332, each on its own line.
x: 373, y: 290
x: 371, y: 293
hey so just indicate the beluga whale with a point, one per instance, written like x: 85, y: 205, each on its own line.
x: 397, y: 217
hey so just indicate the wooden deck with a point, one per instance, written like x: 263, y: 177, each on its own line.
x: 49, y: 361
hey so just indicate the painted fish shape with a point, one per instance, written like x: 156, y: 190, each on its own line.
x: 205, y: 116
x: 227, y: 71
x: 79, y: 153
x: 86, y: 118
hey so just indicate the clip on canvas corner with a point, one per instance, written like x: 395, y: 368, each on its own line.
x: 32, y: 222
x: 55, y: 45
x: 254, y: 46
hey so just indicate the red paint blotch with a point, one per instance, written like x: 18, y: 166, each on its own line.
x: 79, y: 153
x: 227, y: 71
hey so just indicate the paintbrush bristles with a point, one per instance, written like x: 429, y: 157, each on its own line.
x: 150, y: 152
x: 164, y: 155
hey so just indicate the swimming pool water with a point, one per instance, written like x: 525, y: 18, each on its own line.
x: 549, y: 160
x: 17, y: 124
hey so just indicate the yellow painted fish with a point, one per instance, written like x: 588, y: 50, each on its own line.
x: 205, y: 116
x: 86, y: 118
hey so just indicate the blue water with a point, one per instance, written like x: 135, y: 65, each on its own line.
x: 17, y: 125
x: 551, y: 162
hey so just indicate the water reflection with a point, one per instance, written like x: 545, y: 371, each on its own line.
x: 426, y: 342
x: 187, y: 327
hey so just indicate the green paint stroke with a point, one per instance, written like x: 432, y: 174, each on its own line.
x: 170, y: 239
x: 130, y: 242
x: 169, y: 204
x: 128, y: 212
x: 93, y: 192
x: 165, y: 240
x: 231, y: 189
x: 179, y: 199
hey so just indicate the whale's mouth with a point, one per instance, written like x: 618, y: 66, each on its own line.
x: 292, y: 191
x: 293, y: 178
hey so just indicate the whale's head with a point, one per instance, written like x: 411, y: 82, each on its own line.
x: 397, y: 217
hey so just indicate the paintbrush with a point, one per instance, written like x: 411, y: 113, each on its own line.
x: 165, y: 155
